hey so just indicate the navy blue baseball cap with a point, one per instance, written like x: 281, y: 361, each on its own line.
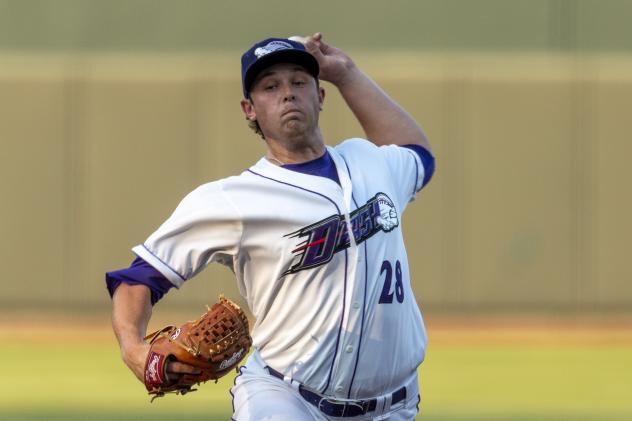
x: 272, y: 51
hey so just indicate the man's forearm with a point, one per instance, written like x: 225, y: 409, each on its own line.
x: 131, y: 312
x: 382, y: 119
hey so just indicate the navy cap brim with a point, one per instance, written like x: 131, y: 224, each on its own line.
x: 300, y: 57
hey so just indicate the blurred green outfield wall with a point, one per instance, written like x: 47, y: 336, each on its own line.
x: 437, y: 25
x: 529, y: 208
x: 111, y: 111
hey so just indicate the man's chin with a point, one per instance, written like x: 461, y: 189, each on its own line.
x: 294, y: 127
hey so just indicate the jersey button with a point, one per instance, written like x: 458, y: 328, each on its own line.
x: 339, y: 388
x: 349, y: 349
x: 356, y: 304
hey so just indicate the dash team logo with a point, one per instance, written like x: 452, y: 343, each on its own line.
x: 327, y: 237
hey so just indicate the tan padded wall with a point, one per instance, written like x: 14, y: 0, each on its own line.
x: 610, y: 254
x: 517, y: 204
x: 33, y: 188
x: 529, y: 208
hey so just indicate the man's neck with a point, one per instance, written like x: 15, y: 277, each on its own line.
x: 295, y: 151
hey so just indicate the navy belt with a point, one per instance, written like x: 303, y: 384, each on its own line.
x: 335, y: 408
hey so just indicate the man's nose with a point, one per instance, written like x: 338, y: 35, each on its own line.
x: 288, y: 94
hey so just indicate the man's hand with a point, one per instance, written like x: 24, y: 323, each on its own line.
x: 135, y: 357
x: 383, y: 120
x: 335, y: 66
x: 130, y: 315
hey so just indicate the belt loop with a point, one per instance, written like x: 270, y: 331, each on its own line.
x: 286, y: 379
x: 387, y: 403
x: 293, y: 383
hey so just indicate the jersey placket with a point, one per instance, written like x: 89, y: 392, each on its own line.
x: 354, y: 296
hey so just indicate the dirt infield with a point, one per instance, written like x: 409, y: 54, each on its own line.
x: 443, y: 329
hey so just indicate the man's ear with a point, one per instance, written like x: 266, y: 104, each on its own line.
x: 321, y: 97
x: 248, y: 109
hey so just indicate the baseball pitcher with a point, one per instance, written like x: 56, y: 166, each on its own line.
x: 313, y: 234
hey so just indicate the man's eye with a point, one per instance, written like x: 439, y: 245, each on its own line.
x: 299, y: 82
x: 269, y: 87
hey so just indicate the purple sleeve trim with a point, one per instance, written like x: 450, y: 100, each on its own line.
x: 427, y: 161
x: 139, y: 273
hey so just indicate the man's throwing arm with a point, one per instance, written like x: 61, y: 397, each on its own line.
x: 383, y: 120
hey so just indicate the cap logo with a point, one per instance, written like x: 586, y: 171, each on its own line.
x: 272, y: 46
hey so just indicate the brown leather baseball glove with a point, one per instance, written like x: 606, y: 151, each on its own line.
x: 215, y: 343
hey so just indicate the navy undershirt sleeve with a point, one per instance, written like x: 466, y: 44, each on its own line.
x: 139, y: 273
x: 427, y: 160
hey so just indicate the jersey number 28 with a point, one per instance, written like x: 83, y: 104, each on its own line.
x: 387, y: 295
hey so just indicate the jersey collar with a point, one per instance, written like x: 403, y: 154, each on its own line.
x: 311, y: 182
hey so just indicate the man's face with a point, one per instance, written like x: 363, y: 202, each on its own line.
x: 285, y: 100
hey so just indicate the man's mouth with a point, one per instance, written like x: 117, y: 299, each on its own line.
x: 291, y: 111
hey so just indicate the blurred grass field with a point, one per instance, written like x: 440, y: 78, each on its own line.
x: 473, y: 371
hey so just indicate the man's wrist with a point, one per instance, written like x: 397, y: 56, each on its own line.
x: 130, y: 350
x: 348, y: 76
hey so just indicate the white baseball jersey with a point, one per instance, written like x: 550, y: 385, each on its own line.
x: 333, y: 311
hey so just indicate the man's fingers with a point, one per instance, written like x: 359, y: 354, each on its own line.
x: 314, y: 48
x: 316, y: 39
x: 176, y: 367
